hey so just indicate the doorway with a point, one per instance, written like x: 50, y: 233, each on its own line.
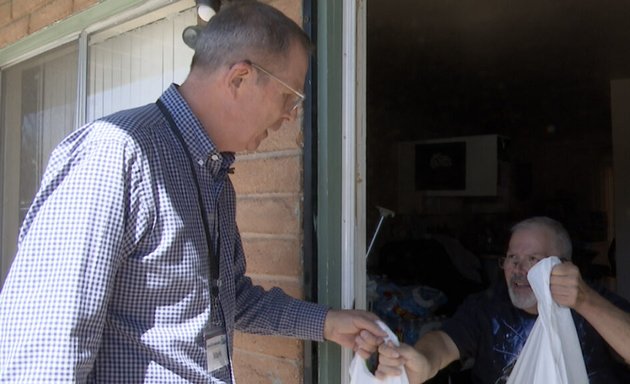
x: 520, y: 91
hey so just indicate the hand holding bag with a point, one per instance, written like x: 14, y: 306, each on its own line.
x: 552, y: 352
x: 360, y: 374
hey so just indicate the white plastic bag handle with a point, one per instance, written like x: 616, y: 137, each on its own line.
x: 360, y: 374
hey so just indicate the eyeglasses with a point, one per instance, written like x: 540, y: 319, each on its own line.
x: 512, y: 261
x: 299, y: 96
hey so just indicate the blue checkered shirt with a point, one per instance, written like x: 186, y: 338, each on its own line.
x: 111, y: 283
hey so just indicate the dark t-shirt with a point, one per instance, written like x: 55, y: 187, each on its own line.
x: 490, y: 330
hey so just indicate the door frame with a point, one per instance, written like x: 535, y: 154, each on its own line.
x: 341, y: 68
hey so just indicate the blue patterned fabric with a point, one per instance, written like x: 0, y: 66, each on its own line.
x: 110, y: 283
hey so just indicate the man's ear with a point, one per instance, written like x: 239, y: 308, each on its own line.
x: 238, y: 75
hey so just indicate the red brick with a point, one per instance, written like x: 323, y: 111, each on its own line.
x: 55, y: 11
x: 80, y: 5
x: 23, y: 7
x: 277, y: 346
x: 291, y: 8
x: 270, y: 215
x: 279, y: 174
x: 260, y: 369
x: 5, y: 13
x: 13, y: 31
x: 273, y: 256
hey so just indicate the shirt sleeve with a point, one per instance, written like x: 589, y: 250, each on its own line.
x: 273, y: 311
x: 53, y: 303
x: 464, y: 327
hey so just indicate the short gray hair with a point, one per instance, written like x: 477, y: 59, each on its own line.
x: 560, y: 235
x: 246, y: 30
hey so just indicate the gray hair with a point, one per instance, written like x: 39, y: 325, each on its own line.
x: 246, y: 30
x: 557, y: 230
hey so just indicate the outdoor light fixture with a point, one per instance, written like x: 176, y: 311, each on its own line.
x: 205, y: 10
x: 190, y: 34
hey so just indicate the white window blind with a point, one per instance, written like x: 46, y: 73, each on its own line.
x: 133, y: 68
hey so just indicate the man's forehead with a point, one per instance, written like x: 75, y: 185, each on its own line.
x: 532, y: 235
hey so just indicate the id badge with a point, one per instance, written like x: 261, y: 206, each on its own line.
x: 216, y: 348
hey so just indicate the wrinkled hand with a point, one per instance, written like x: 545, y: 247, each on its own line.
x: 566, y: 285
x: 354, y: 329
x: 392, y: 360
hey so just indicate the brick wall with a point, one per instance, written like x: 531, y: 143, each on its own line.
x: 269, y: 187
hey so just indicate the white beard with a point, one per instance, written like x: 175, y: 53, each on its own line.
x: 522, y: 300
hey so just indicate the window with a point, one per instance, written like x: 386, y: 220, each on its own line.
x: 39, y: 103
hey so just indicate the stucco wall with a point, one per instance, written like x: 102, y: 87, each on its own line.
x: 269, y: 186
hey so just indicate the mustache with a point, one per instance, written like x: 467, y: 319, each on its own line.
x: 519, y: 279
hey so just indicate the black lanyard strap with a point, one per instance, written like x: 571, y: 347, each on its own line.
x: 214, y: 259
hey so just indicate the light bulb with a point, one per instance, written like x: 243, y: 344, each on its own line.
x: 205, y: 12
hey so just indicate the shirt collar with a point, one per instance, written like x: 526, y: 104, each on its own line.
x: 199, y: 144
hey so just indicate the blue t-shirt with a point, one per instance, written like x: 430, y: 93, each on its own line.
x: 490, y: 330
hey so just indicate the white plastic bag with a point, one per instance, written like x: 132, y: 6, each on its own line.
x: 360, y: 374
x: 552, y: 353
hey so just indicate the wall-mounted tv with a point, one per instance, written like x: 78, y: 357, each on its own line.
x: 455, y: 166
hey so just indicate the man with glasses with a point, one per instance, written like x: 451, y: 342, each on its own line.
x: 130, y: 266
x: 490, y: 328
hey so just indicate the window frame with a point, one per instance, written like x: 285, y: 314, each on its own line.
x: 101, y: 21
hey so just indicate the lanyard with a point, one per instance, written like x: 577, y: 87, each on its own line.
x: 214, y: 259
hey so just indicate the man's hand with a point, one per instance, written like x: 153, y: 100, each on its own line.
x: 566, y: 285
x: 392, y: 360
x: 612, y: 323
x: 434, y: 351
x: 354, y: 329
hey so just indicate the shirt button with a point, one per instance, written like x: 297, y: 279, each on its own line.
x: 200, y: 162
x: 214, y: 157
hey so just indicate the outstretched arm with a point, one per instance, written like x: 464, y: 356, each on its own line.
x: 612, y: 323
x: 432, y: 352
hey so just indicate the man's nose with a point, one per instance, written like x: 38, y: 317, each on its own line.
x: 523, y: 265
